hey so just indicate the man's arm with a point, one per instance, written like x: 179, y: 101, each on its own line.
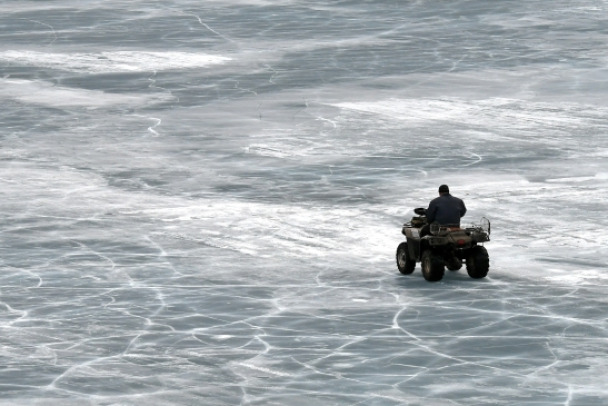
x: 463, y: 209
x: 431, y: 211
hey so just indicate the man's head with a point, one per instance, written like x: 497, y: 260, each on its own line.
x: 444, y: 189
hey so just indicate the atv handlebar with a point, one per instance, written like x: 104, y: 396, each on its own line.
x: 421, y: 211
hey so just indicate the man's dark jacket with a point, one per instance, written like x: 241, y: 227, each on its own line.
x: 446, y: 210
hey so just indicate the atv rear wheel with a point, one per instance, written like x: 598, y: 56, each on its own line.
x: 405, y: 264
x: 478, y: 262
x: 432, y: 266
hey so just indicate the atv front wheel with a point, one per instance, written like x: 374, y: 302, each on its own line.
x: 432, y: 266
x: 478, y: 262
x: 404, y: 263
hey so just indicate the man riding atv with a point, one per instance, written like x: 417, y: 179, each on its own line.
x: 446, y: 210
x: 436, y: 239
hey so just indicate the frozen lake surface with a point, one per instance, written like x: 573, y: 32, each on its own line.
x: 201, y: 201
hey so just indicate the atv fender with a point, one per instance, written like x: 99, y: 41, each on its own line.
x: 413, y: 242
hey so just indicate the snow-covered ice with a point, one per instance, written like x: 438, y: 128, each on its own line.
x: 201, y: 201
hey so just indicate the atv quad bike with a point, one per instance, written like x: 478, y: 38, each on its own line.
x: 442, y: 247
